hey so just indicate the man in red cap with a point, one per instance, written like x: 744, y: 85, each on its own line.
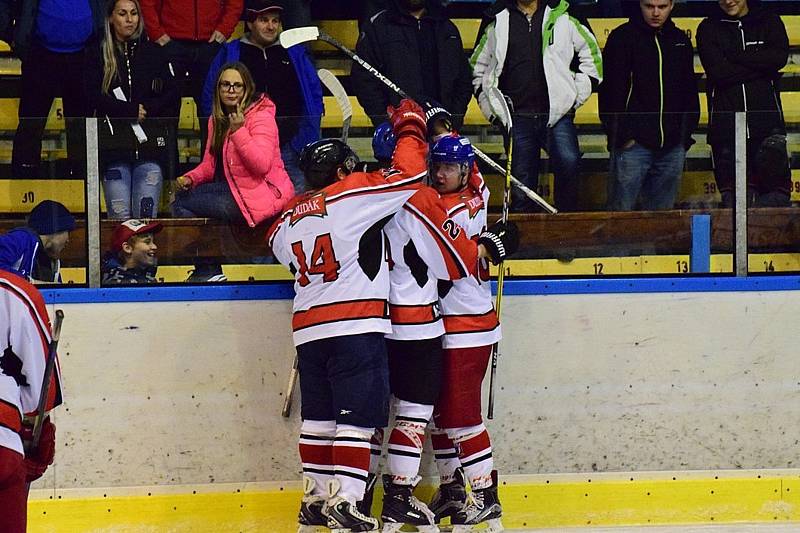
x: 132, y: 258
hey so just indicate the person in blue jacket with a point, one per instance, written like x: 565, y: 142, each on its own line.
x: 288, y: 76
x: 47, y: 231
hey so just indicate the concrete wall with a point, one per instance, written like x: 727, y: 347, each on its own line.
x: 190, y: 392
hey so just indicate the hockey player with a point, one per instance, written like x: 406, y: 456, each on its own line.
x: 26, y: 333
x: 331, y: 239
x: 425, y: 246
x: 471, y: 328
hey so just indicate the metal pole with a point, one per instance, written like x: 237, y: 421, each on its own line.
x: 740, y: 206
x: 92, y: 203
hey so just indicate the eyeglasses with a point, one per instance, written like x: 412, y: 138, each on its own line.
x: 228, y: 86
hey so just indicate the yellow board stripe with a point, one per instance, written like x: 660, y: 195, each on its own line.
x: 532, y: 502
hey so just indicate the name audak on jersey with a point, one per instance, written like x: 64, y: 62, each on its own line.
x: 312, y: 207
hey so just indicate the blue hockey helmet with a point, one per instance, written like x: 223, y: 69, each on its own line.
x: 452, y: 149
x: 383, y: 142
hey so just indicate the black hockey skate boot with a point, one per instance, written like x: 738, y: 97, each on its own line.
x: 449, y: 497
x: 343, y: 516
x: 311, y: 514
x: 365, y: 505
x: 401, y: 507
x: 483, y: 507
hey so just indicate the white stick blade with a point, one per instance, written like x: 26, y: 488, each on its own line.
x: 295, y: 36
x: 337, y: 90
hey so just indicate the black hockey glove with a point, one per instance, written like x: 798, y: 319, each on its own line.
x: 436, y: 115
x: 500, y: 240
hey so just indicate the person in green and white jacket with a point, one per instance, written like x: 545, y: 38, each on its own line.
x: 546, y: 64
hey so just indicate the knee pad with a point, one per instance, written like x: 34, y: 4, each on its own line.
x: 319, y: 428
x: 462, y: 434
x: 354, y: 432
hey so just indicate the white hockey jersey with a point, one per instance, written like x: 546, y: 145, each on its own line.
x: 469, y: 316
x: 425, y: 246
x: 332, y: 241
x: 25, y: 334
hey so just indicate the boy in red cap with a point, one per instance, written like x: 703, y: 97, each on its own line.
x: 132, y: 258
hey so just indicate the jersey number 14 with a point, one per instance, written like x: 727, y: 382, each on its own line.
x: 323, y: 260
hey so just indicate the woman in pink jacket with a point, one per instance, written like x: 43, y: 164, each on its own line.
x: 241, y: 177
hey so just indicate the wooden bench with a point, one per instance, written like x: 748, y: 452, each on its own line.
x: 580, y: 235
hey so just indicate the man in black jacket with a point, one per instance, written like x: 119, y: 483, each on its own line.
x: 416, y: 46
x: 742, y: 50
x: 649, y: 107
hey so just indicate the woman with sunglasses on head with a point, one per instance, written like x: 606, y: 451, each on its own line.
x: 241, y: 177
x: 132, y: 89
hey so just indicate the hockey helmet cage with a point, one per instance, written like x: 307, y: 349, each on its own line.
x: 320, y: 160
x: 383, y: 142
x: 452, y: 149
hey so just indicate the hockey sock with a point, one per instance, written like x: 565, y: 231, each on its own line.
x: 445, y: 455
x: 475, y: 453
x: 351, y: 457
x: 406, y: 441
x: 376, y: 446
x: 316, y: 452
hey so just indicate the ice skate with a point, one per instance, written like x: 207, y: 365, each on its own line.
x: 311, y: 515
x: 449, y: 497
x: 343, y: 516
x: 400, y: 507
x: 365, y: 504
x: 482, y: 508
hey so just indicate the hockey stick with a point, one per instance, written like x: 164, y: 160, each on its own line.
x: 49, y: 368
x: 295, y: 36
x: 335, y: 87
x: 287, y: 400
x: 500, y: 270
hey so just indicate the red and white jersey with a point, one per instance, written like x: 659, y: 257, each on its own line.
x: 25, y: 334
x: 332, y: 241
x: 469, y: 316
x: 426, y: 246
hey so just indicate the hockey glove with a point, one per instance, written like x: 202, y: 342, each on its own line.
x: 500, y: 240
x: 437, y: 118
x: 37, y: 461
x: 407, y: 119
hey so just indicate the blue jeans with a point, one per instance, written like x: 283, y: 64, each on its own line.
x: 531, y: 135
x: 132, y: 189
x: 211, y: 200
x: 651, y: 176
x: 291, y: 160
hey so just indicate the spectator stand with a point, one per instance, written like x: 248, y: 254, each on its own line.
x: 573, y: 244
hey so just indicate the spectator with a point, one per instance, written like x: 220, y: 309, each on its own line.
x: 526, y: 49
x: 26, y: 336
x: 416, y: 46
x: 287, y: 76
x: 132, y: 258
x: 48, y: 227
x: 49, y: 37
x: 743, y: 49
x: 649, y: 107
x: 191, y: 32
x: 253, y: 185
x: 130, y: 84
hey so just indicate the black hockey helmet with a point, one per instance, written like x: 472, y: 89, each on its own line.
x: 320, y: 160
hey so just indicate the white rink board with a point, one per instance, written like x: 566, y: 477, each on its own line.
x: 190, y: 393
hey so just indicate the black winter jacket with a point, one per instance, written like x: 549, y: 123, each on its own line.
x: 145, y: 77
x: 388, y: 42
x: 649, y: 90
x: 742, y: 59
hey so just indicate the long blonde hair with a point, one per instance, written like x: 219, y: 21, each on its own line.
x: 110, y: 45
x: 221, y: 122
